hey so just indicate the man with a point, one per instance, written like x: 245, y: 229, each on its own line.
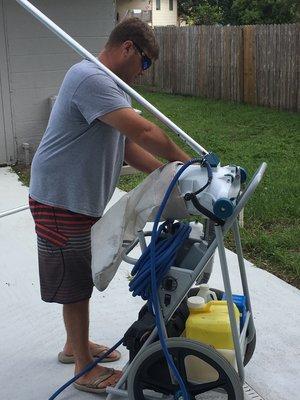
x: 91, y: 130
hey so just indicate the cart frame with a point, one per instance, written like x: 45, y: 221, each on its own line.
x: 188, y: 277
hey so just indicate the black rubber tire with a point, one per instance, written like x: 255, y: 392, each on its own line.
x: 209, y: 231
x: 250, y: 350
x: 146, y: 365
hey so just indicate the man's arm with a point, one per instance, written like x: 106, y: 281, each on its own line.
x: 139, y: 158
x: 145, y: 134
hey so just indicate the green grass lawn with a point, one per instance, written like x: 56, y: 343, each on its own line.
x: 247, y: 136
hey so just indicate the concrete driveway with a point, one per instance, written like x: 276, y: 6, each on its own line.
x: 32, y: 332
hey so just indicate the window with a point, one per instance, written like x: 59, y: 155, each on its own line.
x: 158, y: 4
x: 171, y: 5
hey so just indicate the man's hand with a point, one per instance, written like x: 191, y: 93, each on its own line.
x: 145, y: 134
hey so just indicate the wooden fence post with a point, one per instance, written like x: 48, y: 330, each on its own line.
x: 257, y: 64
x: 249, y: 65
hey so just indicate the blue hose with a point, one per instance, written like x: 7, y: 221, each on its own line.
x: 88, y: 368
x: 162, y: 253
x: 166, y: 248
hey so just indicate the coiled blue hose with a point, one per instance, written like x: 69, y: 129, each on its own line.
x: 165, y: 253
x: 162, y: 253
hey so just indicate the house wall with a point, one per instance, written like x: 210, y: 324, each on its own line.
x: 164, y: 16
x: 3, y: 154
x: 7, y: 148
x: 160, y: 17
x: 3, y: 146
x: 38, y: 59
x: 124, y: 5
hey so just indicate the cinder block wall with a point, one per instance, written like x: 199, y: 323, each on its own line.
x: 38, y: 59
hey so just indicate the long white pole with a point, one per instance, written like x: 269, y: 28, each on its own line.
x: 84, y: 53
x: 13, y: 211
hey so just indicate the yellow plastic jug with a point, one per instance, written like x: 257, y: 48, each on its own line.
x: 209, y: 323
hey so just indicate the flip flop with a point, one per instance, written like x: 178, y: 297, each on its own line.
x: 92, y: 385
x: 69, y: 358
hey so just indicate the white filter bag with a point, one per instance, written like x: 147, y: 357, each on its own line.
x: 129, y: 215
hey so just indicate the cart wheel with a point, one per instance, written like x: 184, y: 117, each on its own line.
x: 202, y: 368
x: 250, y: 350
x: 209, y: 231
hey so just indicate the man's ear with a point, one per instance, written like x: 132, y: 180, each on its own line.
x: 127, y: 46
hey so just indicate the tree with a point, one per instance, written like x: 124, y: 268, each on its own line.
x: 238, y: 12
x: 264, y: 12
x: 195, y: 12
x: 207, y: 14
x: 186, y: 8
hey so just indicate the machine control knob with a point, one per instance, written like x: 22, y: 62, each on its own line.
x: 223, y: 208
x: 169, y: 283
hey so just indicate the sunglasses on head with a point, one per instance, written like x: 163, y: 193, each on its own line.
x: 146, y: 61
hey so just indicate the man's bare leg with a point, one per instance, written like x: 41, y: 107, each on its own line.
x: 76, y: 318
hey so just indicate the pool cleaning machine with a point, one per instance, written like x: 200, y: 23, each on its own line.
x: 189, y: 341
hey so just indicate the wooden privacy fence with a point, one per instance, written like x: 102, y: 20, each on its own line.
x: 255, y: 64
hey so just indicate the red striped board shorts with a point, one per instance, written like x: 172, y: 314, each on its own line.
x: 64, y: 253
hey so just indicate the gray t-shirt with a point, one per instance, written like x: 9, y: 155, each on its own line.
x: 78, y: 161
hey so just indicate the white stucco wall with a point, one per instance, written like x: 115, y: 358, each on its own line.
x: 160, y: 17
x: 164, y: 16
x: 124, y: 5
x: 37, y: 60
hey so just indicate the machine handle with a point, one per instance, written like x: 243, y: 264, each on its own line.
x: 131, y: 246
